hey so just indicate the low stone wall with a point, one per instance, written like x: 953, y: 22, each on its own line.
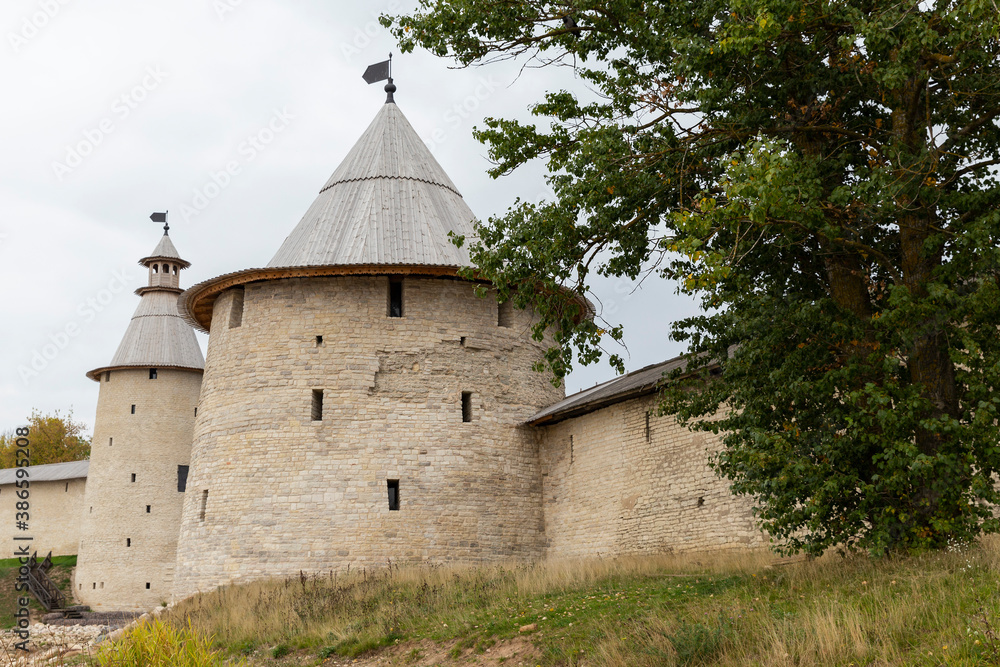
x: 616, y: 482
x: 54, y: 513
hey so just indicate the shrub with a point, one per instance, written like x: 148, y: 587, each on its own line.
x: 157, y: 644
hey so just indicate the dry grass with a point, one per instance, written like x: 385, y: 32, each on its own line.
x: 724, y: 609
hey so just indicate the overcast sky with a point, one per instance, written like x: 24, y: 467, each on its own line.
x: 113, y: 110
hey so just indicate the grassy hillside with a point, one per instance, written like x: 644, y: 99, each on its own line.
x: 62, y: 567
x: 940, y: 609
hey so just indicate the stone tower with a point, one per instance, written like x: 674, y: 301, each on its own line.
x: 360, y: 402
x: 141, y: 449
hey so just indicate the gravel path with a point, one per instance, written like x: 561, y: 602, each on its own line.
x: 56, y: 638
x: 115, y: 619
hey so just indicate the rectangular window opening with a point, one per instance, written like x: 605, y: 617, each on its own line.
x: 152, y: 373
x: 128, y: 541
x: 462, y: 341
x: 467, y: 406
x: 147, y: 585
x: 319, y: 341
x: 107, y: 376
x: 505, y: 314
x: 395, y: 297
x: 196, y: 412
x: 393, y: 487
x: 148, y: 509
x: 317, y: 405
x: 133, y: 477
x: 204, y: 505
x: 111, y: 442
x: 182, y: 478
x: 236, y: 310
x: 133, y: 408
x: 67, y: 487
x: 647, y: 426
x: 572, y: 454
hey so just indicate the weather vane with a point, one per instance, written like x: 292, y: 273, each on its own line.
x: 161, y: 217
x: 380, y: 72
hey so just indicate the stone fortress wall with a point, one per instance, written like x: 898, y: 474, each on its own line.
x: 54, y: 520
x: 622, y: 480
x: 274, y: 491
x: 131, y: 510
x: 360, y: 405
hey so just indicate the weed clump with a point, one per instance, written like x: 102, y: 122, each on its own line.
x: 157, y: 644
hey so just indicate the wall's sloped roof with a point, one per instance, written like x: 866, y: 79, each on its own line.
x: 637, y: 383
x: 49, y: 472
x: 389, y: 202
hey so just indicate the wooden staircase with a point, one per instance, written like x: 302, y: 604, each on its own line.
x: 44, y: 589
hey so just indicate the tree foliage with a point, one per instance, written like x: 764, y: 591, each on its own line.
x: 821, y: 176
x: 53, y: 439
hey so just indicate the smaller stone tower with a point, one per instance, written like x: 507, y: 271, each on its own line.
x: 141, y: 449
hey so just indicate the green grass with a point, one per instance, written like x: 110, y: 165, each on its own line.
x: 938, y: 609
x: 62, y: 567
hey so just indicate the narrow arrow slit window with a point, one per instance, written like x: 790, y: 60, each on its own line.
x: 395, y: 297
x: 393, y: 488
x: 317, y: 405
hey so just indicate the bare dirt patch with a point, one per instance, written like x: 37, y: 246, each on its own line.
x: 516, y: 652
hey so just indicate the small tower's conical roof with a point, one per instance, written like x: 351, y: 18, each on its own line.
x: 389, y: 202
x: 165, y: 250
x: 157, y: 336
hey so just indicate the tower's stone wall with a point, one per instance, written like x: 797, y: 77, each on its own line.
x: 273, y: 492
x: 150, y: 444
x: 612, y: 487
x: 54, y: 516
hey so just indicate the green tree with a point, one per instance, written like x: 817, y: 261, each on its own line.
x: 820, y: 174
x: 53, y: 439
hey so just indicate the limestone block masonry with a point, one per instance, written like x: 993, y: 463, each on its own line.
x: 617, y: 482
x: 131, y: 508
x: 274, y: 491
x: 55, y: 522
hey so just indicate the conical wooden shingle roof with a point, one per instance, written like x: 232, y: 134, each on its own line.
x: 157, y: 336
x: 389, y: 202
x: 387, y: 209
x: 165, y: 250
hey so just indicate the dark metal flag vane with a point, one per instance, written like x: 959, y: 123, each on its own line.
x: 380, y: 72
x: 161, y: 217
